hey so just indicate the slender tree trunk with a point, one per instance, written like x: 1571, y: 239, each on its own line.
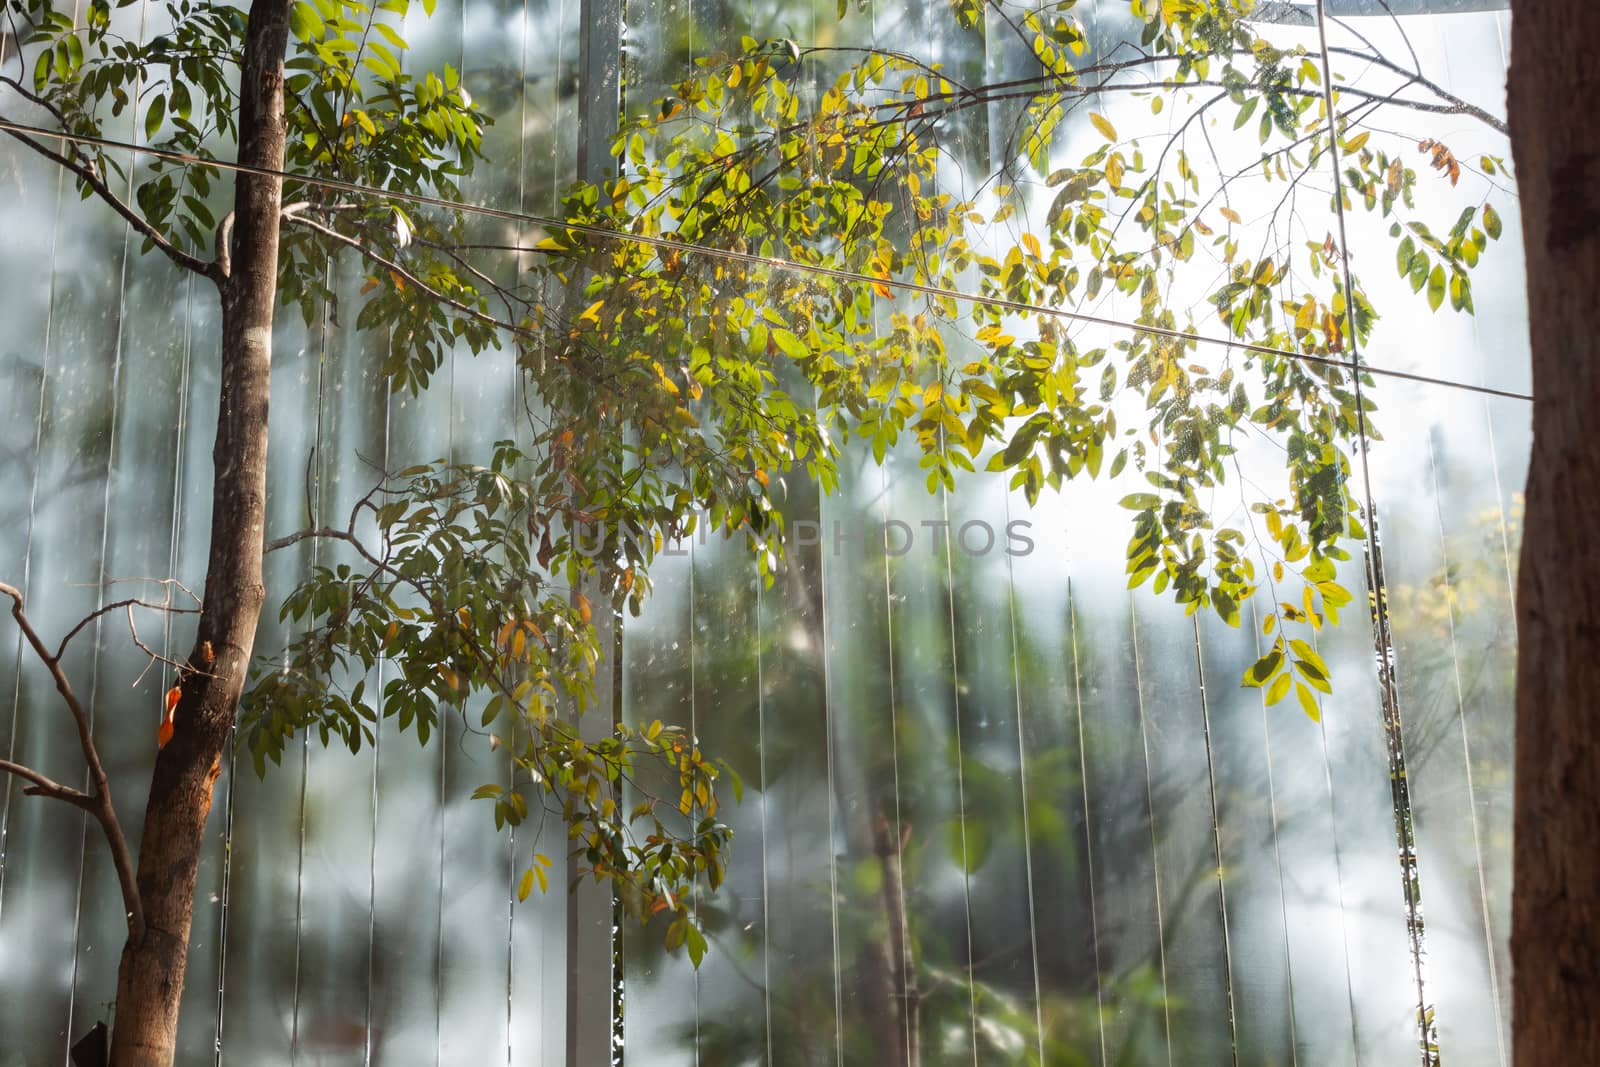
x: 1555, y: 929
x: 150, y: 979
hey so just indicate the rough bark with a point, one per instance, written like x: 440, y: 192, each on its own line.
x: 1555, y: 936
x: 150, y: 978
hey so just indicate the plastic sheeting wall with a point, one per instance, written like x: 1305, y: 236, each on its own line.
x: 1112, y: 854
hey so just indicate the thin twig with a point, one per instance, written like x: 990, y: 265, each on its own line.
x: 99, y: 801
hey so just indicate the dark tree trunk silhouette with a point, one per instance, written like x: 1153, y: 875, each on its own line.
x: 1555, y: 936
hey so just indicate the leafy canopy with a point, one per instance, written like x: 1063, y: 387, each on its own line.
x: 791, y: 256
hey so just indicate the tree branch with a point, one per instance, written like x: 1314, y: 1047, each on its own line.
x: 99, y: 802
x: 434, y: 294
x: 134, y: 602
x: 46, y: 787
x: 86, y: 174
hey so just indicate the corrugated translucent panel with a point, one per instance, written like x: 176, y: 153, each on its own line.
x: 1200, y: 1009
x: 260, y: 984
x: 724, y: 640
x: 994, y: 815
x: 803, y: 866
x: 1357, y: 843
x: 659, y: 989
x: 1065, y: 920
x: 337, y: 837
x: 408, y: 839
x: 59, y: 570
x: 943, y: 846
x: 863, y: 698
x: 1120, y: 794
x: 200, y: 1014
x: 1447, y: 537
x: 1244, y: 780
x: 141, y: 498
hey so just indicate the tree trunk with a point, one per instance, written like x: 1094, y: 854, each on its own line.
x: 150, y: 978
x: 1555, y: 929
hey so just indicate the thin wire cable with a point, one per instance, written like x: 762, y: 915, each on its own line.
x: 1380, y: 608
x: 771, y: 262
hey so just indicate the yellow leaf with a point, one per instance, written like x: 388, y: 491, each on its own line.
x: 592, y: 312
x: 1354, y: 144
x: 1114, y: 170
x: 585, y: 612
x: 1230, y: 214
x: 525, y: 886
x: 734, y: 76
x: 1108, y: 131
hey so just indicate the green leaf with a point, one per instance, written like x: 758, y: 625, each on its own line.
x: 695, y: 942
x: 1436, y: 287
x: 791, y: 344
x: 305, y: 23
x: 153, y: 117
x: 1280, y: 688
x: 1491, y: 221
x: 1308, y: 702
x: 1263, y: 668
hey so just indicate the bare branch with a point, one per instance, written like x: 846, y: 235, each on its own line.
x: 190, y: 593
x: 46, y: 787
x: 305, y: 535
x: 99, y: 802
x: 130, y: 604
x: 86, y: 173
x: 156, y: 657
